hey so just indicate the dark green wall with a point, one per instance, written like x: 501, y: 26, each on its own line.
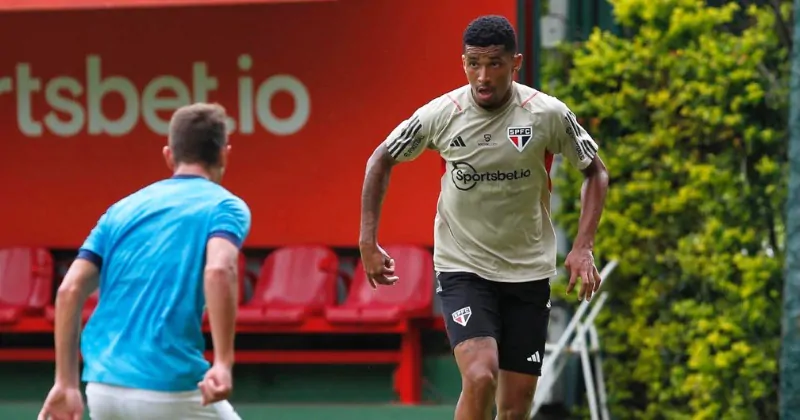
x: 24, y: 386
x: 26, y: 382
x: 28, y: 411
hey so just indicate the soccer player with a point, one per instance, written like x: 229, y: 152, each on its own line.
x: 494, y: 242
x: 159, y: 256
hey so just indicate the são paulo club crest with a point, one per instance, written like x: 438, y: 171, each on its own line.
x: 519, y: 136
x: 461, y: 316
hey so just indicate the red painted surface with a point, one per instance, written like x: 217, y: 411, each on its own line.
x: 85, y: 97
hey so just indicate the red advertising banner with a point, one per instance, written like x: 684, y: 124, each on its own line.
x: 26, y: 5
x: 311, y: 89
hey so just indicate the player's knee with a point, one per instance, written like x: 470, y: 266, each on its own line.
x: 481, y: 373
x: 480, y: 377
x: 477, y: 360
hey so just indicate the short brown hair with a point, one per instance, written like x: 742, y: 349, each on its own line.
x: 197, y: 133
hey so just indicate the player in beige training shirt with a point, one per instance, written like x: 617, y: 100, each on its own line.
x: 494, y: 242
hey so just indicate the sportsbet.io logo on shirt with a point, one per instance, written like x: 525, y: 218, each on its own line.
x: 465, y: 177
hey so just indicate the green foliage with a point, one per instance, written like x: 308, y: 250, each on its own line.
x: 689, y: 108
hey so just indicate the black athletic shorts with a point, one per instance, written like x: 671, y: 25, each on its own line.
x: 515, y: 314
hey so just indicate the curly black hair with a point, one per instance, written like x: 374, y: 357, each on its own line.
x: 490, y: 30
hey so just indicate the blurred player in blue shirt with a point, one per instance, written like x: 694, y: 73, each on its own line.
x: 159, y: 257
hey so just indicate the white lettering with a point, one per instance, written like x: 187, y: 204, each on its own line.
x: 152, y: 103
x: 202, y: 82
x: 99, y: 88
x: 111, y: 104
x: 6, y: 85
x: 67, y: 105
x: 302, y: 105
x: 245, y: 97
x: 26, y: 85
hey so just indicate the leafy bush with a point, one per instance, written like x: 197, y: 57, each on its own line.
x: 689, y: 107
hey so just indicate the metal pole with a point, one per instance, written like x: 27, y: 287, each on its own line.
x: 583, y: 347
x: 602, y: 395
x: 549, y: 363
x: 790, y: 348
x: 522, y: 36
x: 555, y: 361
x: 536, y: 49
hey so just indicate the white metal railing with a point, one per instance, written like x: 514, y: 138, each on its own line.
x: 557, y: 355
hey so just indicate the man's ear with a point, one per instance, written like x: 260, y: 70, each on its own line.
x: 517, y: 62
x: 168, y: 158
x: 223, y: 157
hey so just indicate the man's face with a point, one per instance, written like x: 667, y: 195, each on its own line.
x: 490, y: 71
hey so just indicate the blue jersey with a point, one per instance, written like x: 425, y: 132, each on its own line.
x: 150, y: 246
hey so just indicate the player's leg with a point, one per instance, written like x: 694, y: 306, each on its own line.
x: 525, y: 316
x: 222, y: 410
x: 469, y: 306
x: 106, y: 402
x: 514, y: 395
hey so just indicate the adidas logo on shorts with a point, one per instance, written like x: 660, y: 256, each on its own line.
x: 535, y: 358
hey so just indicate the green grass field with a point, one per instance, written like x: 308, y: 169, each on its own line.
x: 26, y: 411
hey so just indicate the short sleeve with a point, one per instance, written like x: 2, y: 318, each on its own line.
x: 570, y: 139
x: 94, y: 247
x: 409, y: 139
x: 231, y: 220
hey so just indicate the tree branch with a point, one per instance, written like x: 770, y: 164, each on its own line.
x: 784, y: 31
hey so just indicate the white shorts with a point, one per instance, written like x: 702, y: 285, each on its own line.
x: 108, y: 402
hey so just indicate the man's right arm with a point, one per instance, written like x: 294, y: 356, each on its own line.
x: 229, y: 228
x: 405, y: 143
x: 376, y: 181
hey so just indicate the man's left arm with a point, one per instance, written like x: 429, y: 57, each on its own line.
x: 574, y: 142
x: 81, y: 280
x: 593, y: 196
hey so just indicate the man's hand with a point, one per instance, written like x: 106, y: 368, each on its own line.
x: 62, y: 403
x: 580, y: 263
x: 217, y: 385
x: 378, y: 265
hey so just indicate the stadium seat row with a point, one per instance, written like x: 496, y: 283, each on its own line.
x: 294, y: 284
x: 295, y: 292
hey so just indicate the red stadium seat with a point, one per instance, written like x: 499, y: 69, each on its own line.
x: 26, y: 281
x: 243, y: 277
x: 91, y: 302
x: 86, y: 312
x: 410, y: 297
x: 90, y: 305
x: 296, y: 294
x: 295, y: 282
